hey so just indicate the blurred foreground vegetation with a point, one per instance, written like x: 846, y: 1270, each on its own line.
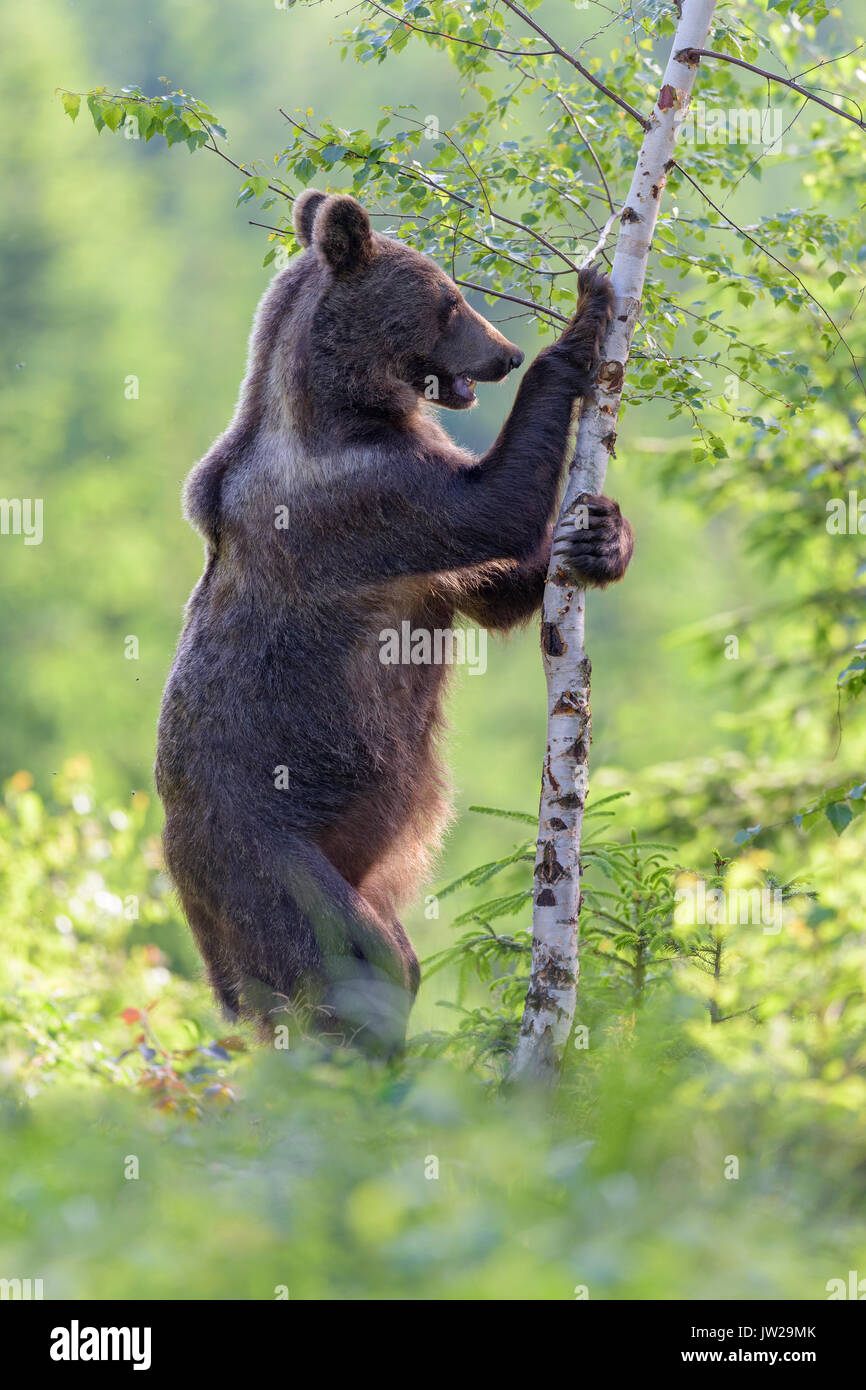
x: 150, y: 1151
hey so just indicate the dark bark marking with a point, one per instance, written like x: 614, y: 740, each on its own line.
x: 578, y: 751
x: 569, y: 703
x: 551, y: 640
x: 610, y: 375
x: 550, y: 776
x: 549, y: 870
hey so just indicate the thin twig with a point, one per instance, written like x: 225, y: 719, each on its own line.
x: 401, y: 21
x: 513, y: 299
x: 215, y: 149
x: 586, y: 141
x: 781, y: 264
x: 584, y: 72
x: 603, y: 236
x: 421, y: 177
x: 690, y: 55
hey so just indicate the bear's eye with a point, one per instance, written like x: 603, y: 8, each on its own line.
x: 449, y: 308
x: 449, y: 301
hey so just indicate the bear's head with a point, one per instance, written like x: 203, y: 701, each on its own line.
x: 388, y: 324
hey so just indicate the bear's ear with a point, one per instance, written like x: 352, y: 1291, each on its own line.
x: 306, y: 206
x: 342, y: 234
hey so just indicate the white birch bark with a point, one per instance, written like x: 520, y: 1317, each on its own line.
x: 552, y: 995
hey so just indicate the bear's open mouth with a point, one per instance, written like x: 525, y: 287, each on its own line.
x: 465, y: 387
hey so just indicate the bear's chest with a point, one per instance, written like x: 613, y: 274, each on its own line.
x: 405, y: 646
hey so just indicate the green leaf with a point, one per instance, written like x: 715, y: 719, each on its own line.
x: 511, y: 815
x: 175, y: 131
x: 94, y: 106
x: 143, y: 115
x: 743, y: 837
x: 71, y: 104
x: 839, y: 815
x: 332, y: 154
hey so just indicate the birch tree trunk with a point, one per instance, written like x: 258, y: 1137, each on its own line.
x: 552, y: 995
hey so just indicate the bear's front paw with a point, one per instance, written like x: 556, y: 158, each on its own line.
x: 581, y: 340
x: 598, y: 545
x: 596, y: 291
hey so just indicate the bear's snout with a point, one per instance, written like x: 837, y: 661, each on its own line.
x: 499, y: 366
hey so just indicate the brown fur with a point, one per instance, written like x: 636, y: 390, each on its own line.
x: 335, y: 506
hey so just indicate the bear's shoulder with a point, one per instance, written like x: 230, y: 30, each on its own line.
x: 202, y: 493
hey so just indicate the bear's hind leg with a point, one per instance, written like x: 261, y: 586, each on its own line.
x: 284, y: 934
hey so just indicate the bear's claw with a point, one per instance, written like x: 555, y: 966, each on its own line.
x: 599, y: 546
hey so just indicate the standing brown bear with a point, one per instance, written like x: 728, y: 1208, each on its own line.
x: 298, y: 771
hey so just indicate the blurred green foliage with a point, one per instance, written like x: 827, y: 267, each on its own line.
x: 146, y: 1155
x: 728, y: 680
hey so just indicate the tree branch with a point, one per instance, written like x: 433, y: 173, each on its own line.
x: 421, y: 177
x: 400, y: 20
x: 694, y: 55
x: 584, y: 72
x: 781, y: 264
